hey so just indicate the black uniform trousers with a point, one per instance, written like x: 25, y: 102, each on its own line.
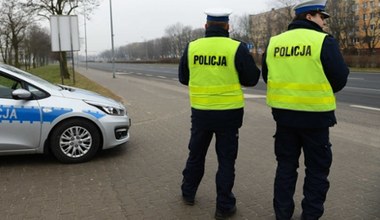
x: 226, y: 146
x: 318, y: 158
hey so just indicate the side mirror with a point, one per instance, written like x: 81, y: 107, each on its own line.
x: 21, y: 94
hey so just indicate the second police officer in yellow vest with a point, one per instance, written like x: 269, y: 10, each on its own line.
x: 215, y: 67
x: 303, y: 68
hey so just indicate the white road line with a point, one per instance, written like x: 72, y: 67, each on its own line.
x: 353, y: 78
x: 162, y: 77
x: 250, y: 96
x: 365, y: 107
x: 139, y: 74
x: 366, y: 89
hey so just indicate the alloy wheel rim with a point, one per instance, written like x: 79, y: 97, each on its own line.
x: 75, y: 141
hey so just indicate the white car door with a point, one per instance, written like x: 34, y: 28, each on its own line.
x: 20, y: 120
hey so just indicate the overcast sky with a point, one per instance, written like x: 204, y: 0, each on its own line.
x: 143, y: 20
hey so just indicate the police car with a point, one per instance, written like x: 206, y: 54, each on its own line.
x: 37, y: 116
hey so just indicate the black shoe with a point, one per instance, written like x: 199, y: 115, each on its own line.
x: 188, y: 200
x: 304, y: 217
x: 219, y: 214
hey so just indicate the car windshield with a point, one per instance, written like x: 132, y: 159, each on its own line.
x: 31, y: 76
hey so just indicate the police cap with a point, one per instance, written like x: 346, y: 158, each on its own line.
x: 218, y: 14
x: 311, y: 5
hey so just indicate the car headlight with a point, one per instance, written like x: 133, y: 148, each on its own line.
x: 110, y: 110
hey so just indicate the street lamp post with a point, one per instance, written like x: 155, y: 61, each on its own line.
x: 85, y: 35
x: 112, y: 43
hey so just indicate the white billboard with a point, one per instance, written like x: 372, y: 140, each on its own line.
x: 64, y: 33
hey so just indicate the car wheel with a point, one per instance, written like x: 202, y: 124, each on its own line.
x: 75, y: 141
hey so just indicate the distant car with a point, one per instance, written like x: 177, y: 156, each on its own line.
x: 37, y: 116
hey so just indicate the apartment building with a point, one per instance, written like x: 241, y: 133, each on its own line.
x: 354, y: 23
x: 367, y: 17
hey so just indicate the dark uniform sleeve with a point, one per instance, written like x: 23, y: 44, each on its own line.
x: 333, y: 64
x: 183, y: 68
x: 249, y: 73
x: 264, y: 67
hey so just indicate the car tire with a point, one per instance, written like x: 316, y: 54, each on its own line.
x: 75, y: 141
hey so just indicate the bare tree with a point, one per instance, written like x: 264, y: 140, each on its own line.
x: 46, y: 8
x: 275, y: 4
x: 179, y: 35
x: 14, y: 22
x: 282, y: 18
x: 267, y: 24
x: 5, y: 43
x: 371, y: 26
x: 342, y: 25
x: 240, y: 28
x: 282, y: 14
x: 197, y: 33
x: 37, y: 46
x: 166, y: 45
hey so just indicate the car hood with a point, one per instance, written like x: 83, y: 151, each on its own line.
x: 82, y: 94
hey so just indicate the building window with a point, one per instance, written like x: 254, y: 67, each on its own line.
x: 365, y: 4
x: 364, y: 17
x: 354, y: 7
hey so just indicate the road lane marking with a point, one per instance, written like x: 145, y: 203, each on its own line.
x: 365, y: 107
x: 356, y: 88
x: 250, y: 96
x: 162, y: 77
x: 353, y: 78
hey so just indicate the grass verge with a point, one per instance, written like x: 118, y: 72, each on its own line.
x: 51, y: 73
x: 365, y: 70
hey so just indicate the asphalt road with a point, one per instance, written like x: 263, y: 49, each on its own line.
x: 141, y: 179
x: 361, y: 91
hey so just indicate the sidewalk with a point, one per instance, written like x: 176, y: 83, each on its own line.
x: 160, y: 131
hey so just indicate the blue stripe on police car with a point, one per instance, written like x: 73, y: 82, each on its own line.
x: 31, y: 114
x: 49, y: 114
x: 95, y: 114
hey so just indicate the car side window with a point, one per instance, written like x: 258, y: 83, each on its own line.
x: 38, y: 94
x: 7, y: 85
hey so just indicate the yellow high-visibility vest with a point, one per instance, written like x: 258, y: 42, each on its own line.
x: 296, y: 80
x: 214, y: 82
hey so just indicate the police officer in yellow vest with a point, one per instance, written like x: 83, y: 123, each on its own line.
x: 214, y: 68
x: 303, y: 68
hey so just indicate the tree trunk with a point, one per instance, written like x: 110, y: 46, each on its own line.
x: 63, y: 65
x: 16, y: 60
